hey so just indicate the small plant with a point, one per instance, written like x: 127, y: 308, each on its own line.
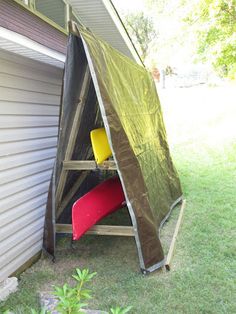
x: 71, y: 299
x: 119, y: 310
x: 42, y: 311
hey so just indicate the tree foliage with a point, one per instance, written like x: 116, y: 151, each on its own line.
x: 215, y: 25
x: 142, y: 31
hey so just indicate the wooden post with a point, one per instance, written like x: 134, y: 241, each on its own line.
x: 172, y: 245
x: 68, y: 14
x: 73, y: 135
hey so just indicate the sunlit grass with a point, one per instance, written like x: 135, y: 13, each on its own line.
x: 201, y: 129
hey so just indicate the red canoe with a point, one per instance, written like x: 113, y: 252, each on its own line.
x: 101, y: 201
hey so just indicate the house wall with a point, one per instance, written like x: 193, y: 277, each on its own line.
x: 29, y: 109
x: 18, y: 19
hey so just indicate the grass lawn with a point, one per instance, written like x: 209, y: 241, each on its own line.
x: 202, y: 134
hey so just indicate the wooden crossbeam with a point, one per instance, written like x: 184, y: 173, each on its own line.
x: 125, y: 231
x: 88, y: 165
x: 172, y: 245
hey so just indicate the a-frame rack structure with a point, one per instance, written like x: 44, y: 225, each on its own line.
x: 102, y: 88
x: 84, y: 166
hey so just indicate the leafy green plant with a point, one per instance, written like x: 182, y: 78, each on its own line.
x: 214, y: 23
x: 71, y: 299
x: 42, y: 311
x: 119, y: 310
x: 142, y: 31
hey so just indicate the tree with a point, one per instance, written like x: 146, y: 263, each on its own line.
x: 175, y: 44
x: 215, y: 25
x: 142, y: 31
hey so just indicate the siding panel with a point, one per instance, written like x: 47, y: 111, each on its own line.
x: 29, y: 109
x: 26, y: 84
x: 24, y: 146
x: 10, y: 108
x: 21, y: 223
x: 16, y: 173
x: 20, y: 260
x: 23, y: 184
x: 10, y: 255
x: 15, y: 238
x: 17, y: 19
x: 19, y: 134
x: 23, y: 196
x: 26, y: 158
x: 27, y: 69
x: 19, y: 121
x: 19, y: 211
x: 11, y: 94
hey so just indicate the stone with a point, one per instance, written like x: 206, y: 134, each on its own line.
x: 7, y: 287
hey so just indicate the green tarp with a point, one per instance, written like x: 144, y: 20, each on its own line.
x: 132, y: 116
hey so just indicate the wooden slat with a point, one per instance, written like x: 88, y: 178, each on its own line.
x: 126, y: 231
x: 73, y: 28
x: 73, y: 135
x: 71, y: 192
x: 88, y: 165
x: 172, y: 245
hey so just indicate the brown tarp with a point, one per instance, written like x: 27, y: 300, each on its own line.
x: 126, y: 96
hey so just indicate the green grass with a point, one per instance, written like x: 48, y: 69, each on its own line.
x: 202, y: 135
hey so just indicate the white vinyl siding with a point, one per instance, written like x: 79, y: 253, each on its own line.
x: 29, y: 109
x: 23, y: 46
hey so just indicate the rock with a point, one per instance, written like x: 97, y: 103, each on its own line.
x: 7, y: 287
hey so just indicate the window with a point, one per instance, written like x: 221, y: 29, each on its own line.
x: 55, y: 10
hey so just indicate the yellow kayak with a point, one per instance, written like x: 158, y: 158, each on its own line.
x: 100, y: 145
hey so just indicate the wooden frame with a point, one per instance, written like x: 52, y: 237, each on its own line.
x: 124, y: 231
x: 88, y: 165
x: 73, y: 135
x: 172, y: 245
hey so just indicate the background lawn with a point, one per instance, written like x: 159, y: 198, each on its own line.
x: 201, y: 127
